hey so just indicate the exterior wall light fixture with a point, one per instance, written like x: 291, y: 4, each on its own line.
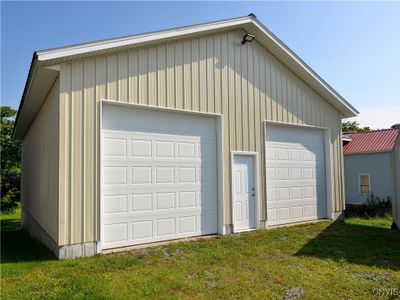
x: 248, y: 38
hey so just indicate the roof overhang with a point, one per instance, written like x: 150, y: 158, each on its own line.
x: 368, y: 152
x: 346, y: 138
x: 44, y: 71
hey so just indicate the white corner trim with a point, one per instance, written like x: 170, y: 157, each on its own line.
x: 329, y: 173
x: 100, y: 163
x: 220, y: 173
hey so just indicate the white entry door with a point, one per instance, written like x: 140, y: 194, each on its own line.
x: 295, y: 172
x: 244, y: 192
x: 159, y: 176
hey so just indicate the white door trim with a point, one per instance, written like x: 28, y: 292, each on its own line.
x: 294, y: 125
x: 220, y: 161
x: 328, y: 154
x: 159, y: 108
x: 257, y: 188
x: 99, y: 223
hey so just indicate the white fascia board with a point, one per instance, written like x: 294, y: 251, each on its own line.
x: 31, y: 74
x: 346, y: 139
x: 137, y: 39
x: 368, y: 152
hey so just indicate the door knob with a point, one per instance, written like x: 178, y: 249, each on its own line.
x: 253, y: 195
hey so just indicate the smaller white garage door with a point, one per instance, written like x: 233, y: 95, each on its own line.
x: 295, y: 172
x: 159, y: 176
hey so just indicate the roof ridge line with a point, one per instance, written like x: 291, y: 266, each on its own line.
x: 370, y: 131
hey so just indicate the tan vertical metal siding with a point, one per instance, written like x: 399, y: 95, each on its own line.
x: 214, y: 73
x: 39, y: 190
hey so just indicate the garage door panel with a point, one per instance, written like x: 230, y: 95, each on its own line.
x: 140, y: 175
x: 272, y: 217
x: 288, y: 215
x: 284, y: 213
x: 160, y: 184
x: 140, y: 148
x: 296, y: 183
x: 295, y: 175
x: 160, y: 187
x: 115, y: 204
x: 152, y: 163
x: 142, y: 230
x: 115, y: 175
x: 141, y: 202
x: 291, y: 202
x: 123, y: 231
x: 297, y: 212
x: 158, y: 213
x: 116, y: 232
x: 165, y: 226
x: 115, y: 147
x: 187, y: 199
x: 155, y: 204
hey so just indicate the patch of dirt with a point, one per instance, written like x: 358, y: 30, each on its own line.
x: 294, y: 293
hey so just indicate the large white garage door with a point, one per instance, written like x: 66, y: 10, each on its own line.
x: 159, y: 176
x: 295, y: 172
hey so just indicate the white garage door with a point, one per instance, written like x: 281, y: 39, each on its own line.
x: 295, y: 172
x: 159, y: 176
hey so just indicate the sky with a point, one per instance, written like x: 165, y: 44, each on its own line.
x: 354, y: 46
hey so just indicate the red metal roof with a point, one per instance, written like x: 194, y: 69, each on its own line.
x: 371, y: 141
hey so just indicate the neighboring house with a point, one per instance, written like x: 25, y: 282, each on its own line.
x: 372, y: 165
x: 184, y: 132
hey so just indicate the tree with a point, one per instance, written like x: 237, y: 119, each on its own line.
x: 10, y: 161
x: 352, y: 126
x: 396, y: 126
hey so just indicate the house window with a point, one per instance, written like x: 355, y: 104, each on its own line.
x: 365, y: 185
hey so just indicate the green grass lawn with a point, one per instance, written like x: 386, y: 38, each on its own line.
x: 325, y: 260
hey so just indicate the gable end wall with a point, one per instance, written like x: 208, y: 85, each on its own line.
x: 214, y: 73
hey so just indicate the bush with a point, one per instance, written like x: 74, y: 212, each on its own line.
x: 9, y: 202
x: 375, y: 207
x: 10, y: 161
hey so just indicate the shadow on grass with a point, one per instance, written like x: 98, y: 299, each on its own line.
x: 18, y: 246
x: 356, y: 244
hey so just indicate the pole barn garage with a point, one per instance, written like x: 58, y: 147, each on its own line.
x: 207, y: 129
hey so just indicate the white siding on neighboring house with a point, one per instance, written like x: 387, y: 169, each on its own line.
x: 379, y: 166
